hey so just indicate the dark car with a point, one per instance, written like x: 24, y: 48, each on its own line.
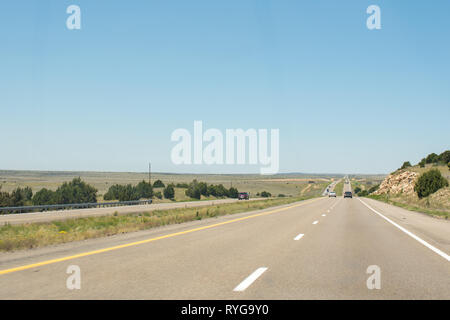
x: 243, y: 196
x: 348, y: 194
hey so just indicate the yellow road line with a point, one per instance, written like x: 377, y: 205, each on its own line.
x: 90, y: 253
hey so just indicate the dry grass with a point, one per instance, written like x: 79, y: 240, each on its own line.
x: 423, y: 207
x: 339, y: 188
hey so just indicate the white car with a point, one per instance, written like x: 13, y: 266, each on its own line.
x: 332, y: 194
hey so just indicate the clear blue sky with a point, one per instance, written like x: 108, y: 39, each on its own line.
x: 107, y: 97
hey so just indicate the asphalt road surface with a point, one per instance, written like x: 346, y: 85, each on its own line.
x: 315, y: 249
x: 21, y: 218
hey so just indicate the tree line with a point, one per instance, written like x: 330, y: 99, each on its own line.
x: 197, y: 189
x: 129, y: 192
x: 194, y: 190
x: 76, y: 191
x: 432, y: 158
x: 443, y: 158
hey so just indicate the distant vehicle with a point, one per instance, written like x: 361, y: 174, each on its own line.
x: 243, y: 196
x: 332, y: 194
x: 348, y: 194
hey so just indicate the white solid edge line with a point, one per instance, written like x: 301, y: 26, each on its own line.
x: 316, y: 222
x: 412, y: 235
x: 299, y: 236
x: 250, y: 279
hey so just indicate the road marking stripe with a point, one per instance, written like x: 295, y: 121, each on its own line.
x: 250, y: 279
x: 89, y: 253
x: 412, y: 235
x: 316, y: 222
x: 334, y: 204
x: 299, y: 236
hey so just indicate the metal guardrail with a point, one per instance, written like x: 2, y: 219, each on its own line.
x: 51, y: 207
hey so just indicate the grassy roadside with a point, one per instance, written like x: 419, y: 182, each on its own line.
x: 385, y: 198
x: 26, y: 236
x: 339, y: 188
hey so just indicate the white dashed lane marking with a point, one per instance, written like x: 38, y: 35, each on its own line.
x: 250, y: 279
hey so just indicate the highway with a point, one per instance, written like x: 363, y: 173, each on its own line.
x: 315, y: 249
x: 32, y: 217
x: 330, y: 188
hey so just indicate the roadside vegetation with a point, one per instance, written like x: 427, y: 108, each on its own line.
x: 79, y: 191
x: 419, y: 207
x: 26, y: 236
x: 339, y: 188
x: 425, y: 187
x: 363, y: 189
x: 18, y: 197
x: 197, y: 189
x: 433, y: 158
x: 129, y: 192
x: 76, y: 191
x: 430, y: 182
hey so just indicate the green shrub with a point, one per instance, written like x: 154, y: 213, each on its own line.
x: 374, y: 188
x: 144, y: 190
x: 158, y: 195
x: 430, y: 182
x: 197, y: 189
x: 193, y: 191
x: 363, y: 193
x: 17, y: 198
x: 444, y: 157
x: 129, y: 192
x: 182, y: 185
x: 432, y: 158
x: 44, y: 197
x: 158, y: 184
x: 422, y: 163
x: 405, y: 165
x: 266, y: 194
x: 122, y: 193
x: 76, y: 191
x: 169, y: 192
x: 233, y: 193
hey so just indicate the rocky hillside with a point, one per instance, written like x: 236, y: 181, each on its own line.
x: 398, y: 182
x: 398, y: 189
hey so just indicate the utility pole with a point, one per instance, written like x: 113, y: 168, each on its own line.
x: 150, y: 173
